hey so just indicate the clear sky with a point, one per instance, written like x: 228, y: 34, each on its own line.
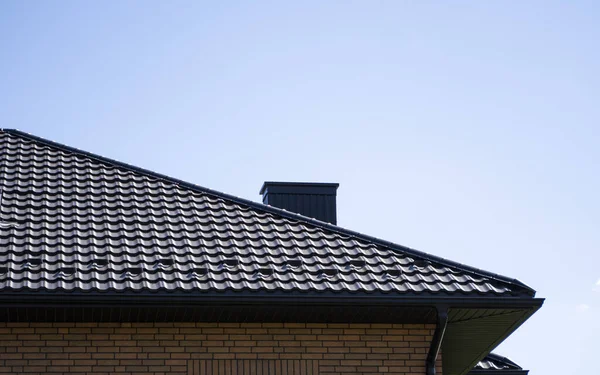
x: 467, y: 129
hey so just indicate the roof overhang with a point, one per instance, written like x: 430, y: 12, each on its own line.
x: 475, y: 326
x: 472, y: 333
x: 270, y: 300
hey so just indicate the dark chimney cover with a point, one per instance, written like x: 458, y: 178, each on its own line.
x: 316, y: 200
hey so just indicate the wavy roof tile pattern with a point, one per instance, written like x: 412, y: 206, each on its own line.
x: 74, y: 221
x: 495, y: 363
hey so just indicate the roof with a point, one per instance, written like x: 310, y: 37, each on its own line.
x: 75, y: 221
x: 87, y: 238
x: 496, y: 364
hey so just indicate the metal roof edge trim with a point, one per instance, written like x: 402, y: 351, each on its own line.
x: 300, y: 187
x: 273, y: 210
x: 15, y: 298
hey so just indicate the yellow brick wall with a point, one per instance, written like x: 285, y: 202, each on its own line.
x: 172, y: 348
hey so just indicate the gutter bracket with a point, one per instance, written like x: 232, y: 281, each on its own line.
x: 438, y: 337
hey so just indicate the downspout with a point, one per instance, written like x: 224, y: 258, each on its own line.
x: 436, y: 341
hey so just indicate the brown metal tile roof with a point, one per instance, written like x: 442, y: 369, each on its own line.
x: 71, y: 220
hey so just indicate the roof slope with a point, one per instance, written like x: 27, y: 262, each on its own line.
x: 496, y: 364
x: 74, y: 221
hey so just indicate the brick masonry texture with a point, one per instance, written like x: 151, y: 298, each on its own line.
x: 178, y: 348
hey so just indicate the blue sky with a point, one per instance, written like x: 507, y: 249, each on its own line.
x: 469, y: 129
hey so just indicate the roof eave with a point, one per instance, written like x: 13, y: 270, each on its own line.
x: 251, y: 298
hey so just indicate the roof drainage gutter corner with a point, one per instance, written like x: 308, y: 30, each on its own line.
x: 438, y: 337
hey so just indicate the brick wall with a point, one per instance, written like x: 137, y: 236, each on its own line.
x: 195, y: 348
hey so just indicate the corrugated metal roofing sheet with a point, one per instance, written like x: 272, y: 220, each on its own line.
x: 70, y: 220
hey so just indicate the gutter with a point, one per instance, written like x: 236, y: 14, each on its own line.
x: 45, y: 298
x: 436, y: 341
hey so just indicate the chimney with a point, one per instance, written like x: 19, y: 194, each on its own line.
x: 316, y: 200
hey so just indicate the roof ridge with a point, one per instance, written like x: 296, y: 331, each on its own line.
x: 274, y: 210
